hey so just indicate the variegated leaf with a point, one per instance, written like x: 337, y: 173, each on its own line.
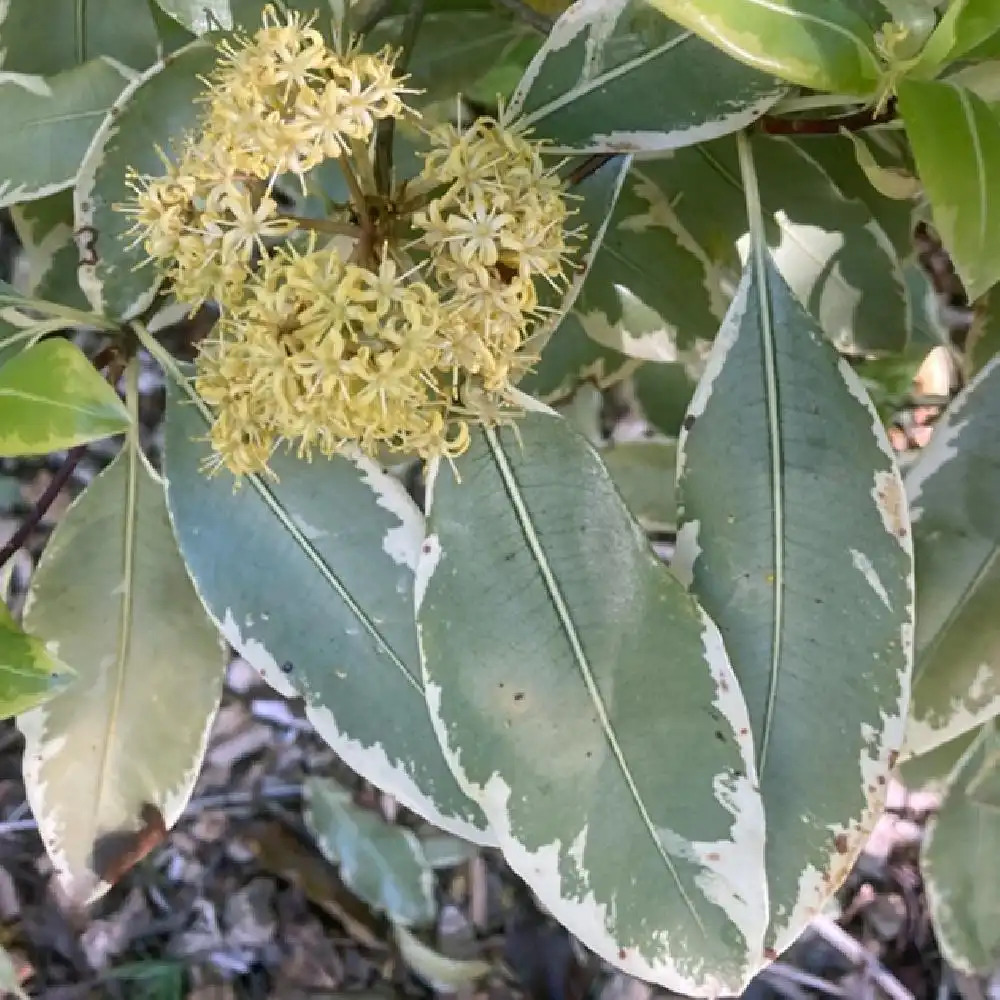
x: 954, y: 496
x: 54, y: 119
x: 932, y: 771
x: 828, y: 248
x: 653, y: 292
x: 595, y: 195
x: 67, y: 33
x: 47, y: 264
x: 52, y: 398
x: 150, y: 116
x: 323, y: 606
x: 606, y: 79
x: 601, y: 728
x: 29, y: 673
x: 816, y: 610
x: 821, y: 44
x: 956, y: 142
x: 958, y: 863
x: 111, y: 597
x: 381, y: 863
x: 570, y: 358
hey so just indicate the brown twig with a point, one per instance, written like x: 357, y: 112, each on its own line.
x: 854, y: 122
x: 62, y: 474
x: 387, y: 126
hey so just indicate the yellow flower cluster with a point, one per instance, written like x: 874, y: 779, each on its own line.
x: 332, y: 335
x: 499, y: 226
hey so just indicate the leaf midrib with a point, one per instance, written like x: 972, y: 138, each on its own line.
x: 523, y: 517
x: 325, y: 571
x: 602, y: 79
x: 124, y: 637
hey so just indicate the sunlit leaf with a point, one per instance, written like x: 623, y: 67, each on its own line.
x: 112, y: 598
x: 956, y: 142
x: 52, y: 398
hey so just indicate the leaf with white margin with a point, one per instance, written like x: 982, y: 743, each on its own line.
x: 112, y: 598
x: 54, y: 119
x: 594, y: 198
x: 47, y: 263
x: 153, y: 113
x: 380, y: 862
x: 821, y: 44
x: 570, y: 358
x: 323, y: 604
x: 954, y: 494
x: 816, y: 610
x: 932, y: 771
x: 652, y: 293
x: 958, y: 863
x: 599, y: 725
x: 956, y: 143
x: 52, y: 398
x: 828, y: 247
x: 607, y: 76
x: 62, y: 34
x: 29, y: 673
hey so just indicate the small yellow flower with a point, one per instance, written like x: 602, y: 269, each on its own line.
x: 343, y: 339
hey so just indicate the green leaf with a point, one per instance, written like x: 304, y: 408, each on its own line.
x: 29, y: 673
x: 112, y: 597
x: 606, y: 78
x: 821, y: 44
x: 963, y: 26
x: 570, y: 358
x: 956, y: 142
x: 596, y: 194
x: 380, y: 863
x: 202, y: 16
x: 836, y: 258
x: 68, y: 33
x: 795, y: 537
x: 958, y: 862
x: 932, y: 771
x: 154, y: 112
x: 601, y: 729
x: 54, y: 119
x: 454, y: 49
x: 983, y: 341
x: 645, y: 474
x: 953, y: 491
x: 663, y: 391
x: 49, y: 255
x: 322, y: 605
x: 652, y: 292
x: 838, y: 157
x: 52, y: 398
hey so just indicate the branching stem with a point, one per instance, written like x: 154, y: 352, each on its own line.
x: 386, y: 132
